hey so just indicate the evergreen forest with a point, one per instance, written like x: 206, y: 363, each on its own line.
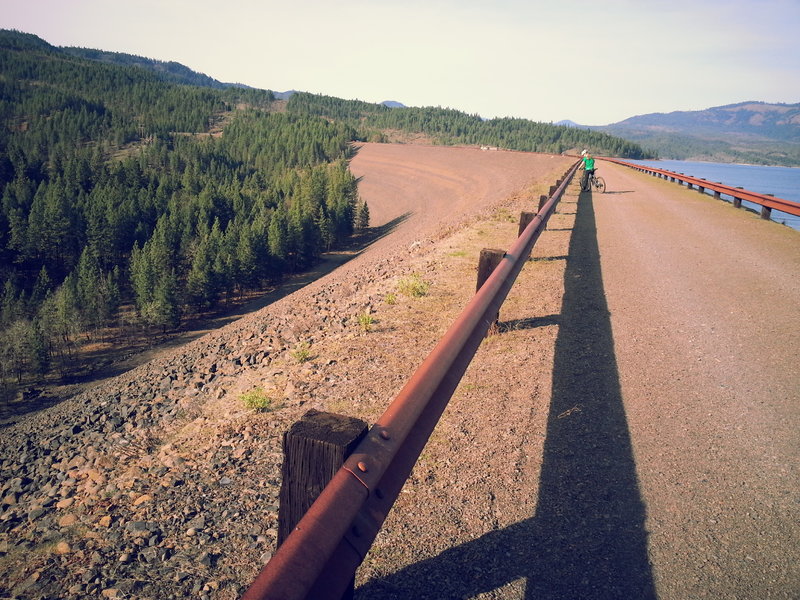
x: 131, y: 200
x: 451, y: 127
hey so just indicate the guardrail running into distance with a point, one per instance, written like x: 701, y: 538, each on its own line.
x: 767, y: 202
x: 318, y: 559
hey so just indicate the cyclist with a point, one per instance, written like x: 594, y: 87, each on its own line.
x: 588, y: 169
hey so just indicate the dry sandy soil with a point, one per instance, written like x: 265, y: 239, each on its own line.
x: 630, y: 433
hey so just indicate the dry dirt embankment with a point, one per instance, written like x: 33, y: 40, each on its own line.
x: 161, y: 484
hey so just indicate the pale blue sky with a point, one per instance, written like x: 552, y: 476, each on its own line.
x: 595, y: 62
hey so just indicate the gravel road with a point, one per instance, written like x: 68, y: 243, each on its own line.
x: 703, y: 303
x: 650, y: 450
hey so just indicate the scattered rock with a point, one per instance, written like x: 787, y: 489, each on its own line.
x: 65, y: 503
x: 62, y: 548
x: 142, y: 499
x: 67, y: 520
x: 104, y: 521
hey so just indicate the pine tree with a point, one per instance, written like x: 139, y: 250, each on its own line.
x: 164, y: 310
x: 362, y: 215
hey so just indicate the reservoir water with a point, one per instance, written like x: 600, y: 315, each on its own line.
x: 783, y: 182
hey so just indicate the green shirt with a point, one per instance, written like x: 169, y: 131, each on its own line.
x: 588, y: 163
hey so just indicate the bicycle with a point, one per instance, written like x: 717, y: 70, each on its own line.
x: 594, y: 184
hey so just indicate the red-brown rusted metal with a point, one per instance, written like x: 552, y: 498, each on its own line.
x: 318, y: 559
x: 787, y: 206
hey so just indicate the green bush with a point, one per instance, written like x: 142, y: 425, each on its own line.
x: 412, y: 286
x: 365, y: 321
x: 302, y: 352
x: 257, y: 399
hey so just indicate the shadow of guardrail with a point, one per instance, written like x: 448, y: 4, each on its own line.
x: 587, y: 538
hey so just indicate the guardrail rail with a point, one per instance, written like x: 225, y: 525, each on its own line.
x: 318, y: 559
x: 768, y: 203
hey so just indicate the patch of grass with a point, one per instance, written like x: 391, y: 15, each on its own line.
x: 413, y: 286
x: 457, y: 253
x: 365, y: 321
x: 257, y: 399
x: 391, y: 298
x: 504, y: 215
x: 302, y: 352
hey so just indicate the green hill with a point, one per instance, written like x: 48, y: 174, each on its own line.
x: 450, y: 127
x: 117, y: 187
x: 127, y: 181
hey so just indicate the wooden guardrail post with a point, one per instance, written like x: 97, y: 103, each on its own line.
x: 524, y: 220
x: 313, y: 450
x: 542, y: 202
x: 737, y: 202
x: 487, y: 263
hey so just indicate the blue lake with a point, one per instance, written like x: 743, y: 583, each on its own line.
x: 783, y: 182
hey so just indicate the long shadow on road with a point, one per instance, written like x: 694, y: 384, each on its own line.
x: 587, y: 538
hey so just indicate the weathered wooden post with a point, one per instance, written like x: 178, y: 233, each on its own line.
x: 314, y: 448
x: 524, y: 220
x: 737, y: 202
x: 487, y: 263
x: 542, y: 201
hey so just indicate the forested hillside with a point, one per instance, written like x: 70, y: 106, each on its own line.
x: 169, y: 71
x: 448, y: 126
x: 121, y: 185
x: 113, y: 191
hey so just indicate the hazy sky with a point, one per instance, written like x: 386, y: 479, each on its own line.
x: 595, y: 62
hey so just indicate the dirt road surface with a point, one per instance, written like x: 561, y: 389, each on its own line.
x: 634, y: 432
x: 704, y: 306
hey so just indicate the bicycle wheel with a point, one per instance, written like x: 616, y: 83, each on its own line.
x: 600, y: 184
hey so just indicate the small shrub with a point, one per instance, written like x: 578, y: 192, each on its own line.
x: 413, y: 286
x: 257, y: 399
x: 365, y: 321
x: 302, y: 352
x: 391, y: 298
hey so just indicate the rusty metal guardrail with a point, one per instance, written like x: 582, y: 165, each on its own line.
x: 738, y: 194
x: 320, y: 556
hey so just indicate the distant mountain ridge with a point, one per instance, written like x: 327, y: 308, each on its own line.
x: 756, y: 132
x: 753, y: 131
x: 760, y: 119
x: 171, y: 71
